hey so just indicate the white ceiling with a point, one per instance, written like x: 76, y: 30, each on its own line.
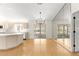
x: 29, y: 11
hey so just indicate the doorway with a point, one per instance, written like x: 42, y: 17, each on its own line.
x: 39, y: 29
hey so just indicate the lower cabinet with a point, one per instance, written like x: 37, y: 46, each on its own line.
x: 11, y: 41
x: 19, y: 39
x: 2, y: 43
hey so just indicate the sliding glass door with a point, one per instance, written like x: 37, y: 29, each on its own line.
x: 39, y: 29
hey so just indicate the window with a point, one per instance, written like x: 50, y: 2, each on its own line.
x: 63, y: 31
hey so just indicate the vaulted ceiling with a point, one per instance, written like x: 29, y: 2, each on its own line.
x: 29, y: 11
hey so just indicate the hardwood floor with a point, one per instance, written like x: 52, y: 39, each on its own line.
x: 38, y: 47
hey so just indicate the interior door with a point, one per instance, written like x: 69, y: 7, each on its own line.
x: 76, y: 20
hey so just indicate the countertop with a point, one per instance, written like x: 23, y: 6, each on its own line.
x: 8, y: 34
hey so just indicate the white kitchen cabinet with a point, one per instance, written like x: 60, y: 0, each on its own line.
x: 11, y: 41
x: 2, y: 42
x: 19, y: 39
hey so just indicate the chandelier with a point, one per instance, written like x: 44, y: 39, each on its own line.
x: 40, y: 19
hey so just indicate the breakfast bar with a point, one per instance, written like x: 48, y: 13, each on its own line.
x: 10, y: 40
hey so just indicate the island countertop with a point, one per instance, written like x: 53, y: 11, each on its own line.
x: 12, y: 33
x: 10, y: 40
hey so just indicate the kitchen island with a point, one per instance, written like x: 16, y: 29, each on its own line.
x: 10, y: 40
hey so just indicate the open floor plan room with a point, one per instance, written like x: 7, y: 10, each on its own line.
x: 39, y: 29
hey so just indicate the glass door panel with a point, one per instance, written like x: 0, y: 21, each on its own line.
x: 39, y: 29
